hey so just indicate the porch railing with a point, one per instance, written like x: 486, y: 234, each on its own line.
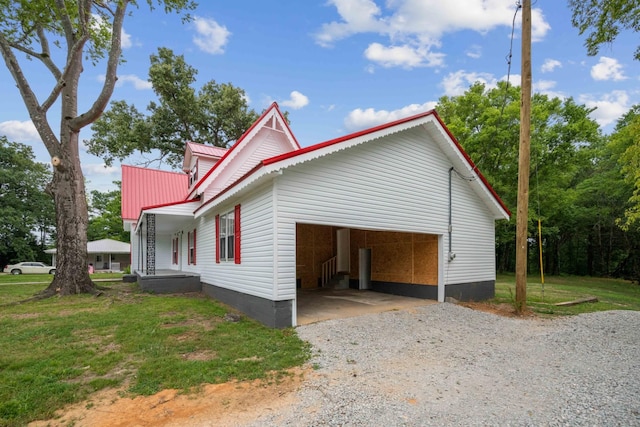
x: 328, y: 270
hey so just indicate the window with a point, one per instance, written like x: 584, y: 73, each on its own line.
x: 174, y: 250
x: 228, y: 236
x: 193, y: 174
x: 191, y: 239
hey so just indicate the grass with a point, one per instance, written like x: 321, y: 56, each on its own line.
x: 6, y: 278
x: 612, y: 294
x: 59, y: 350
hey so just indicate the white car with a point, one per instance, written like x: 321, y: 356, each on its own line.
x: 30, y: 268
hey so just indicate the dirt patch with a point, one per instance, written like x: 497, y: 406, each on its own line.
x: 225, y: 404
x: 503, y: 309
x: 200, y: 355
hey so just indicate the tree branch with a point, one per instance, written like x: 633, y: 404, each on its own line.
x: 38, y: 117
x: 67, y: 25
x: 102, y: 100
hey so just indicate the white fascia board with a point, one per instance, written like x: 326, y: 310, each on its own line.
x: 180, y: 210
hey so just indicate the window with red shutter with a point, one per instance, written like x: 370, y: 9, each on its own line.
x: 228, y: 236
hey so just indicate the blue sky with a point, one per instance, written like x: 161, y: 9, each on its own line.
x: 339, y: 66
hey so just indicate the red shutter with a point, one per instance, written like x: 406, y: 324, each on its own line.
x: 217, y: 239
x: 188, y: 247
x: 236, y: 233
x: 194, y: 246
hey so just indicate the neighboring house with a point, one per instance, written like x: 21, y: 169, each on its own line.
x: 397, y: 208
x: 104, y: 254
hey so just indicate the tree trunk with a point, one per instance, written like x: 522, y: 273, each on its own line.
x: 72, y: 218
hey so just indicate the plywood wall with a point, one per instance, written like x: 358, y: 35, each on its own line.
x: 314, y: 245
x: 395, y: 256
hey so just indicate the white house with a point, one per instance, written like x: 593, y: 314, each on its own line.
x: 103, y: 254
x: 397, y: 208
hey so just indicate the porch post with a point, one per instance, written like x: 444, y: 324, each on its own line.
x: 151, y: 244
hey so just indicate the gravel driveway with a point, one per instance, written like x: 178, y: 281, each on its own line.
x: 445, y: 364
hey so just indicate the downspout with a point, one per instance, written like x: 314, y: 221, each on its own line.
x: 451, y: 255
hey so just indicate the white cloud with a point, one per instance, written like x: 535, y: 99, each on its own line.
x: 607, y: 69
x: 358, y: 16
x: 550, y: 65
x: 609, y: 107
x: 18, y: 131
x: 546, y: 87
x: 125, y: 39
x: 212, y: 37
x: 362, y: 119
x: 402, y: 56
x: 99, y: 169
x: 539, y: 26
x: 418, y: 25
x: 474, y: 51
x: 296, y: 100
x: 136, y: 81
x: 457, y: 83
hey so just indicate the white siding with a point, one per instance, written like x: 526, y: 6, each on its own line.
x: 202, y: 230
x: 163, y: 252
x: 254, y: 275
x: 204, y: 166
x: 133, y: 238
x: 397, y: 183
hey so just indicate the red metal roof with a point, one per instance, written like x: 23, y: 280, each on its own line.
x: 206, y: 150
x: 142, y: 187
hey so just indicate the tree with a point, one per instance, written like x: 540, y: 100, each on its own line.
x: 626, y: 137
x: 24, y: 207
x: 216, y: 114
x: 605, y: 19
x: 77, y: 30
x: 105, y: 218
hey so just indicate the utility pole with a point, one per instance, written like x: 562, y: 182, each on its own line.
x: 523, y: 162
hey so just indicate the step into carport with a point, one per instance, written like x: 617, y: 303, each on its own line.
x: 316, y: 305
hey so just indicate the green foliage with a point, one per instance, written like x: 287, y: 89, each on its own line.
x: 105, y: 217
x: 20, y: 21
x: 626, y: 140
x: 24, y: 206
x: 215, y: 114
x: 604, y: 19
x: 57, y: 351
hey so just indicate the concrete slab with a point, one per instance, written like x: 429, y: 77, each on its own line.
x: 316, y: 305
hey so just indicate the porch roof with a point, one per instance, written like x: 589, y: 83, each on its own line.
x: 171, y: 216
x: 143, y: 187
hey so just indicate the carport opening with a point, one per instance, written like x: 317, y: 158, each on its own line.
x: 400, y: 263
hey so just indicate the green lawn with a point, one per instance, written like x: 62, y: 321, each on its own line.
x: 59, y: 350
x: 47, y: 278
x: 612, y: 294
